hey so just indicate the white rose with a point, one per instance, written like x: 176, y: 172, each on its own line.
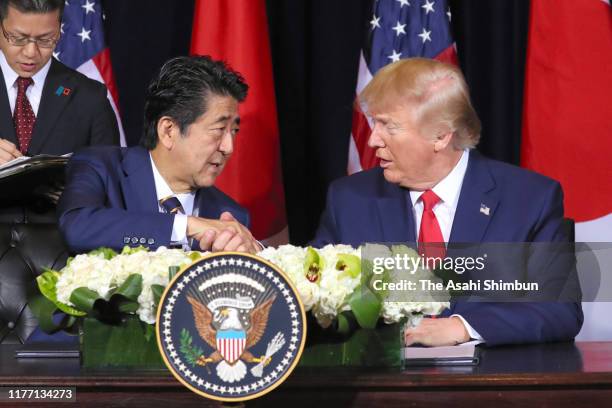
x: 309, y: 294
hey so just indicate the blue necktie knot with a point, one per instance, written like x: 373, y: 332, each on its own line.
x: 171, y: 204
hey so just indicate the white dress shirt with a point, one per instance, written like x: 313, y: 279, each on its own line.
x: 34, y: 91
x: 448, y: 189
x: 179, y: 227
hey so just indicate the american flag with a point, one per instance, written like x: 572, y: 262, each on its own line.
x: 82, y: 47
x: 397, y: 29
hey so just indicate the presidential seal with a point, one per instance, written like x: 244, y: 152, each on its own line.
x: 231, y: 327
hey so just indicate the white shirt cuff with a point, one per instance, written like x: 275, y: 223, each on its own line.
x: 179, y: 229
x: 472, y: 333
x: 261, y: 245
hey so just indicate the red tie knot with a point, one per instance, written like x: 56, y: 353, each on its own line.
x: 430, y: 199
x: 24, y: 83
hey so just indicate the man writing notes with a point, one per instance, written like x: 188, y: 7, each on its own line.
x: 431, y: 186
x: 45, y: 107
x: 161, y: 193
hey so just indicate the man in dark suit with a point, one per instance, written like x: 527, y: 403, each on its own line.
x: 162, y: 193
x: 45, y: 107
x: 431, y: 187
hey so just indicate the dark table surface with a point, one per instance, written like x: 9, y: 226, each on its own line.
x: 564, y: 374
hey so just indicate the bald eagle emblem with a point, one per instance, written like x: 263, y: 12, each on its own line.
x: 231, y: 315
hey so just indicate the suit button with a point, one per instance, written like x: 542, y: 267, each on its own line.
x: 126, y: 240
x: 10, y: 325
x: 134, y: 240
x: 151, y: 241
x: 143, y: 240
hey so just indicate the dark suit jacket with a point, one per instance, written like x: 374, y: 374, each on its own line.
x: 523, y: 207
x: 110, y: 200
x: 65, y: 123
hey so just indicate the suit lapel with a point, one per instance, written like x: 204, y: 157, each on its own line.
x: 478, y: 201
x: 200, y: 202
x: 138, y: 184
x: 209, y: 204
x: 204, y: 203
x: 395, y: 215
x: 52, y: 103
x: 7, y: 127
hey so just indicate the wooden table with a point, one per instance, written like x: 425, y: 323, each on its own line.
x: 552, y: 375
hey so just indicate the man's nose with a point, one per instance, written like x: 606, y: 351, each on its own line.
x: 227, y: 143
x: 375, y: 141
x: 30, y: 49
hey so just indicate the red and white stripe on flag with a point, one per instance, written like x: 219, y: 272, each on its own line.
x: 82, y: 47
x: 231, y: 348
x: 397, y: 29
x: 100, y: 69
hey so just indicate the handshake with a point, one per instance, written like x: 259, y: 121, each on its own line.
x: 224, y: 234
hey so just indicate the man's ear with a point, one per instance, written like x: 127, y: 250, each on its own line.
x: 167, y: 132
x: 442, y: 140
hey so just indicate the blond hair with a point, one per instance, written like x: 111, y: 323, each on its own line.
x: 435, y: 92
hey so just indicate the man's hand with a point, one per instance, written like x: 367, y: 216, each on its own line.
x: 8, y: 151
x: 446, y: 331
x: 224, y: 234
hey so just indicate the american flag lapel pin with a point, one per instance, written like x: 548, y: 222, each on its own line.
x: 485, y: 210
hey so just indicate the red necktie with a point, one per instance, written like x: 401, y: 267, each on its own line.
x: 24, y: 115
x: 430, y: 231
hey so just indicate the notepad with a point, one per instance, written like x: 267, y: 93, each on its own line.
x: 462, y: 354
x: 24, y: 162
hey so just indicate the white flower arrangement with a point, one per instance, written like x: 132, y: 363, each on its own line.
x: 102, y: 275
x: 326, y: 279
x: 328, y: 295
x: 411, y: 305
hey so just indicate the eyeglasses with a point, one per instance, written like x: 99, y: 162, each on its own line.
x: 20, y: 41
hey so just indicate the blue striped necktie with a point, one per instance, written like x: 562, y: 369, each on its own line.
x: 172, y: 205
